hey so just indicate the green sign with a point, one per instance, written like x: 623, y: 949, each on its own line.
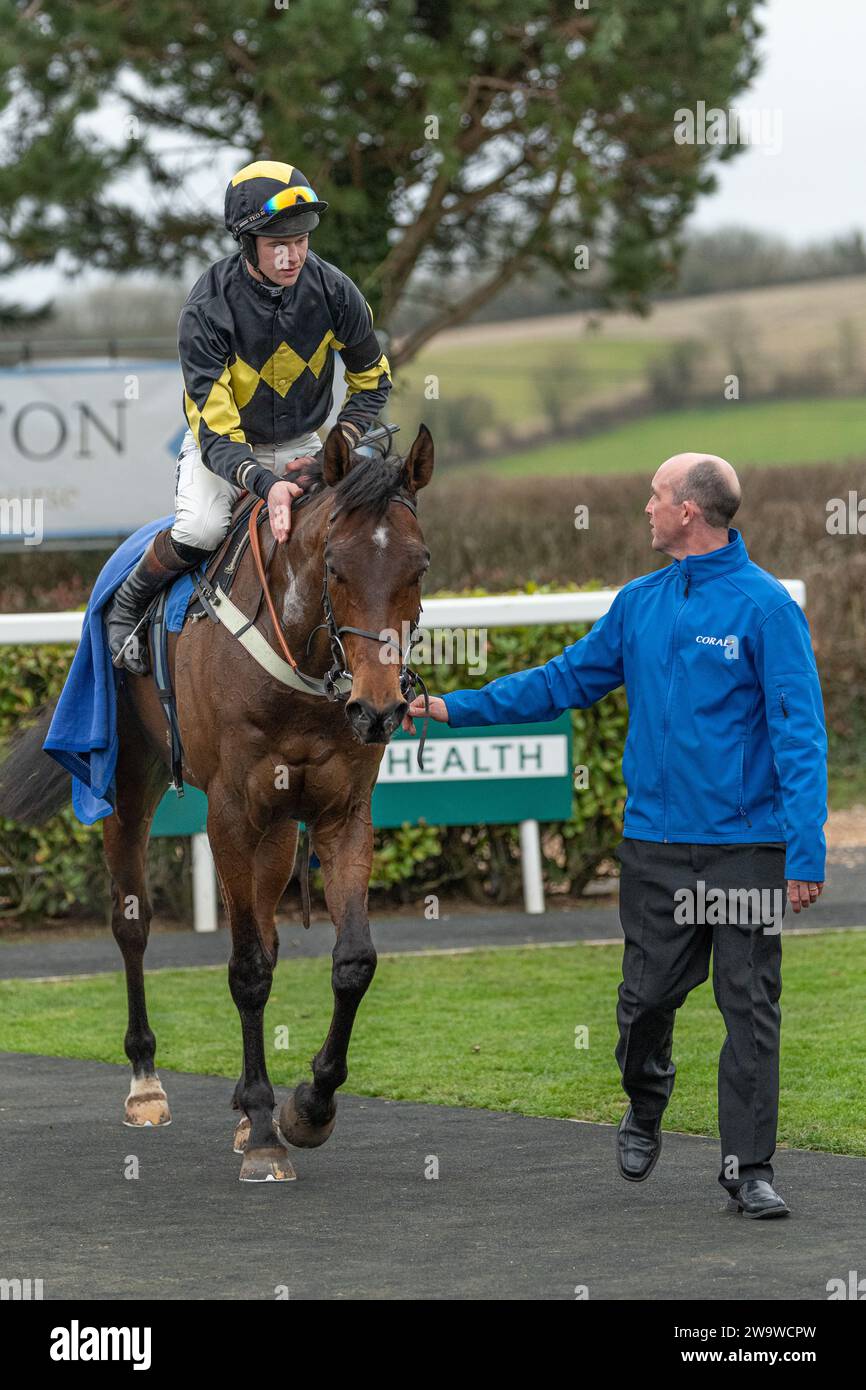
x: 497, y: 776
x: 181, y: 815
x: 493, y: 776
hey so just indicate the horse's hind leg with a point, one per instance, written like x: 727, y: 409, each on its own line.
x: 141, y: 779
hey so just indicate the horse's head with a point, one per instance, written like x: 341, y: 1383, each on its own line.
x: 375, y: 560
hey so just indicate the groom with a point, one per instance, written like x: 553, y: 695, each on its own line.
x: 725, y: 769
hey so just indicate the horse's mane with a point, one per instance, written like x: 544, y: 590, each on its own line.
x: 368, y: 487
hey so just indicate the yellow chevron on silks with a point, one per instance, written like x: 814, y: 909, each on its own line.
x: 220, y: 412
x: 317, y: 361
x: 281, y: 370
x: 265, y: 169
x: 245, y: 380
x: 193, y: 415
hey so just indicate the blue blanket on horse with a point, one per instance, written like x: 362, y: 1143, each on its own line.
x: 83, y: 732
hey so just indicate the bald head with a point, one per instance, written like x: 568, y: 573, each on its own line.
x: 705, y: 479
x: 694, y: 498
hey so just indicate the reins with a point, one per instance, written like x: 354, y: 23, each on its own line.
x: 261, y: 571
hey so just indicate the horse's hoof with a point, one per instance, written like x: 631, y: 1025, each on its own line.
x: 267, y: 1165
x: 297, y: 1130
x: 146, y: 1105
x: 242, y: 1135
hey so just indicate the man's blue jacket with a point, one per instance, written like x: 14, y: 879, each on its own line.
x: 726, y: 740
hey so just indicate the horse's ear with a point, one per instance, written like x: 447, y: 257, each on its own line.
x: 418, y: 467
x: 338, y: 457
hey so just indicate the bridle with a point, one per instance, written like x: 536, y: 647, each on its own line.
x: 340, y: 666
x: 336, y: 684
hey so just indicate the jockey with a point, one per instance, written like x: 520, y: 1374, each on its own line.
x: 256, y: 340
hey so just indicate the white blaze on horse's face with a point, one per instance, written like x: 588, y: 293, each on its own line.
x: 376, y: 587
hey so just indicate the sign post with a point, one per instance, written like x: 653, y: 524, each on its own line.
x: 513, y: 774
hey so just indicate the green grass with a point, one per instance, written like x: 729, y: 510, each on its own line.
x: 489, y: 1028
x: 775, y: 432
x: 505, y: 374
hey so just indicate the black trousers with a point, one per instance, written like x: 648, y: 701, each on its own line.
x: 666, y: 956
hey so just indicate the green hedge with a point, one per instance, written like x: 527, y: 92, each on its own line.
x: 57, y: 870
x: 481, y: 862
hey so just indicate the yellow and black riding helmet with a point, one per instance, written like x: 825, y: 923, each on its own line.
x: 269, y: 198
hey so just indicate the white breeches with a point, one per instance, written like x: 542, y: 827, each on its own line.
x: 203, y: 501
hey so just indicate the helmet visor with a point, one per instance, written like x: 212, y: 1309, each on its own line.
x: 299, y: 195
x: 288, y: 197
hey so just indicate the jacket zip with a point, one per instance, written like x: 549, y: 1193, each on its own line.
x: 667, y: 708
x: 741, y: 785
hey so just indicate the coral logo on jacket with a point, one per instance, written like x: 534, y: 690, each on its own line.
x: 730, y: 643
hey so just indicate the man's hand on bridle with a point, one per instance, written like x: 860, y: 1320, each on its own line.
x: 280, y: 499
x: 416, y: 710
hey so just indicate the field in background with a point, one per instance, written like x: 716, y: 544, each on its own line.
x: 768, y: 432
x: 496, y: 387
x: 789, y: 319
x: 509, y: 372
x: 488, y: 1028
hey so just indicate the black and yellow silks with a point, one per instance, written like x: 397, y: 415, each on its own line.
x: 258, y: 363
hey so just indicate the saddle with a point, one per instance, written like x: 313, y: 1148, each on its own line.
x: 220, y: 569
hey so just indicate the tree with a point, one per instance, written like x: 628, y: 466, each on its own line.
x: 493, y: 135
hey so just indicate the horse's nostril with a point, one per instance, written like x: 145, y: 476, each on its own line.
x: 398, y: 711
x: 375, y: 724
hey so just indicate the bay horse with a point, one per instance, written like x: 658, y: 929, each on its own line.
x: 269, y: 757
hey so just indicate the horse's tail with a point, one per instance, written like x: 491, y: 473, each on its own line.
x: 33, y: 787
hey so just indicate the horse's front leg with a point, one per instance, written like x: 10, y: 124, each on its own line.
x: 274, y: 861
x: 345, y: 849
x: 251, y: 971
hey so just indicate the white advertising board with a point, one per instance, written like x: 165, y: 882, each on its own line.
x: 89, y: 450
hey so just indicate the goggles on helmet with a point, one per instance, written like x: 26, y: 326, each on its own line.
x: 286, y: 198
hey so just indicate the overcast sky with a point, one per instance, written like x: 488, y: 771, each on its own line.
x: 813, y: 73
x: 813, y: 187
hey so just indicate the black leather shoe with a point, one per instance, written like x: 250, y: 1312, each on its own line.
x: 758, y: 1198
x: 638, y: 1145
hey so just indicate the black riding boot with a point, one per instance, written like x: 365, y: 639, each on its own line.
x: 158, y: 566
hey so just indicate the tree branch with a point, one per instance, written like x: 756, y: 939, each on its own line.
x: 407, y: 348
